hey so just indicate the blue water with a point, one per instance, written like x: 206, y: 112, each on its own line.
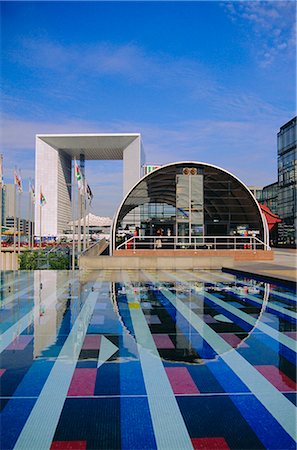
x: 146, y: 360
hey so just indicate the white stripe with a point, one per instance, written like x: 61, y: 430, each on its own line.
x: 40, y: 427
x: 169, y: 427
x: 257, y: 300
x: 16, y: 294
x: 275, y: 293
x: 17, y: 328
x: 278, y: 405
x: 274, y: 334
x: 14, y: 280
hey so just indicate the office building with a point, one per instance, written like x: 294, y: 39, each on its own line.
x: 269, y: 197
x: 55, y: 155
x: 287, y: 182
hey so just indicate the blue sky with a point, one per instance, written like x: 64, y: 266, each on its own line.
x: 206, y: 81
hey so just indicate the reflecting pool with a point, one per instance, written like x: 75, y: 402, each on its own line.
x: 146, y: 360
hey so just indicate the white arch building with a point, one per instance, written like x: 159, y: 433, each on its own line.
x: 211, y: 199
x: 54, y: 154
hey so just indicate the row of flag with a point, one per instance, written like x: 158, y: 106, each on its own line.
x: 19, y: 184
x: 83, y: 186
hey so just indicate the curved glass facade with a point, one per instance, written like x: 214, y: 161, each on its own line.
x: 188, y: 200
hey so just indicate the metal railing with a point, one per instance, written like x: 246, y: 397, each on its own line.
x: 193, y: 243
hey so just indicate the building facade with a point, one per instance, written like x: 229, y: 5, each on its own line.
x: 186, y: 202
x: 54, y: 171
x: 287, y: 183
x: 269, y: 197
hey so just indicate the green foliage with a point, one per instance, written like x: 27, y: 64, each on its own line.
x: 28, y: 260
x: 41, y: 259
x: 59, y: 262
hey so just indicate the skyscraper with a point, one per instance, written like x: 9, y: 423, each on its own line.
x: 287, y: 182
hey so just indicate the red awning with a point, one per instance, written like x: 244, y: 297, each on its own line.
x: 272, y: 219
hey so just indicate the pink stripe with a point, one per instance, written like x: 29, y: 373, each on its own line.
x: 233, y: 340
x: 181, y: 381
x: 69, y: 445
x: 20, y: 343
x: 83, y: 383
x: 2, y: 372
x: 211, y: 443
x: 291, y: 334
x: 92, y: 342
x: 163, y: 341
x: 276, y: 377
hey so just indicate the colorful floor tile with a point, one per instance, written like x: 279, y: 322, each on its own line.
x: 118, y: 363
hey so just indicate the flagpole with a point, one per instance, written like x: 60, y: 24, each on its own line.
x: 73, y: 217
x: 14, y: 223
x: 84, y: 215
x: 33, y: 223
x: 79, y: 225
x: 88, y: 224
x: 19, y: 224
x: 40, y: 216
x: 1, y: 218
x: 29, y: 221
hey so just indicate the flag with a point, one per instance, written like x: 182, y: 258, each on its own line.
x: 1, y: 171
x: 18, y: 181
x: 89, y: 194
x: 32, y: 190
x: 78, y: 177
x: 42, y: 199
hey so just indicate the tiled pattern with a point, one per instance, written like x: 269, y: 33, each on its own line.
x: 109, y: 394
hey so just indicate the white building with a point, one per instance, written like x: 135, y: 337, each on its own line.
x: 54, y: 170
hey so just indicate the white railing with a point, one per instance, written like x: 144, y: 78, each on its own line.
x: 193, y: 243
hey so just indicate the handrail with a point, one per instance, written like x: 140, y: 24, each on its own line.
x: 194, y: 242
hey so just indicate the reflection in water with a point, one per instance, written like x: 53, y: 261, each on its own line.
x: 191, y: 324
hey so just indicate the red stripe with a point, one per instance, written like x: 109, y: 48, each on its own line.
x: 69, y: 445
x: 276, y: 377
x: 163, y: 341
x: 83, y: 383
x: 217, y: 443
x: 20, y: 343
x: 92, y: 342
x: 181, y: 380
x: 233, y: 340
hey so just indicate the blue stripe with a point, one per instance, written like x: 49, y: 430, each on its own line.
x: 136, y: 425
x: 249, y: 406
x: 267, y: 340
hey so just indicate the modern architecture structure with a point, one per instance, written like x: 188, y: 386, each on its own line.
x: 184, y: 201
x: 24, y: 224
x: 54, y: 168
x: 269, y: 197
x: 287, y: 182
x: 257, y: 191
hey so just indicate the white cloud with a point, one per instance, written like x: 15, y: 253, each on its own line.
x: 127, y: 61
x: 272, y: 22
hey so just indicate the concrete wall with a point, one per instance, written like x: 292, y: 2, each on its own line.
x: 154, y: 262
x: 9, y: 261
x: 64, y: 210
x: 237, y: 255
x: 133, y: 159
x: 46, y: 175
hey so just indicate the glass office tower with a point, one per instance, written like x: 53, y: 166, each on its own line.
x: 287, y: 182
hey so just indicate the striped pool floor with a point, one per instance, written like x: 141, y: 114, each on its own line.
x: 146, y: 360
